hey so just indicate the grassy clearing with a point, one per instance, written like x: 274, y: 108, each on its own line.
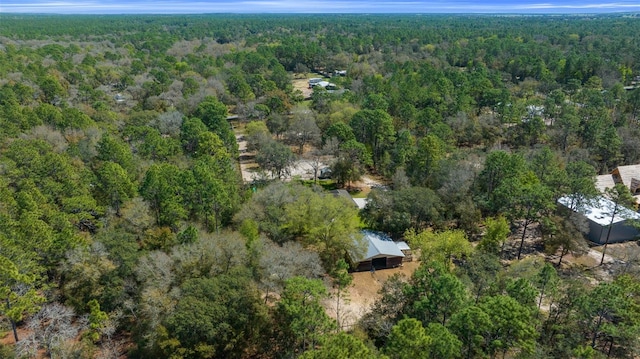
x: 360, y: 193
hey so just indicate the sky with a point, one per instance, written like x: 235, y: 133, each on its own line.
x: 315, y: 6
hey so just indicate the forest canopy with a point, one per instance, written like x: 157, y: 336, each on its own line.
x: 128, y: 226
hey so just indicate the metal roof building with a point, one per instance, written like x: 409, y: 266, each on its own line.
x: 599, y: 215
x: 382, y: 252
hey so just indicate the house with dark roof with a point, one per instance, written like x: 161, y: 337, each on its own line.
x: 382, y: 252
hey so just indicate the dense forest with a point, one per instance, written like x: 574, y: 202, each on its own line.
x: 127, y: 229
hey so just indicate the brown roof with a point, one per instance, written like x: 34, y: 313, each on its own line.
x: 604, y: 181
x: 628, y: 175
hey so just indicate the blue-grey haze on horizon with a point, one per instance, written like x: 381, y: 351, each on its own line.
x: 314, y: 6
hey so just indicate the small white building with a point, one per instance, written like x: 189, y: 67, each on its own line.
x: 325, y: 84
x: 361, y: 202
x: 314, y: 81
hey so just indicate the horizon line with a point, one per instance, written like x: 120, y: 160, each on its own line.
x: 417, y: 7
x: 518, y: 13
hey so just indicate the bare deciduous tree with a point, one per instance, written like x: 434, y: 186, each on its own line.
x: 52, y: 136
x: 303, y: 129
x: 51, y: 328
x: 110, y: 344
x: 210, y: 255
x: 157, y: 298
x: 169, y: 123
x: 315, y: 160
x: 279, y: 263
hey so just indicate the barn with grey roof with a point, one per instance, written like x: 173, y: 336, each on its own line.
x: 382, y: 252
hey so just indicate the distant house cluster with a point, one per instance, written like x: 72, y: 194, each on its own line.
x: 318, y: 82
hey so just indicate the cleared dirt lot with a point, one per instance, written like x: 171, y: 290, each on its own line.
x: 364, y: 292
x: 302, y: 84
x: 302, y: 168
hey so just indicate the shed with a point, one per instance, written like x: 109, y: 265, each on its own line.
x: 406, y: 250
x: 325, y: 173
x: 382, y: 252
x: 598, y: 214
x: 325, y: 84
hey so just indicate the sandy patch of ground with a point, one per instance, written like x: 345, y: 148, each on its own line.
x: 594, y: 256
x: 302, y: 168
x: 8, y: 339
x: 618, y: 254
x: 364, y: 292
x: 624, y: 252
x: 303, y: 85
x: 620, y: 258
x: 366, y: 183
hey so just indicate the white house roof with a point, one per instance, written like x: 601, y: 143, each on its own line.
x: 360, y: 202
x: 403, y: 246
x: 380, y: 245
x: 600, y: 209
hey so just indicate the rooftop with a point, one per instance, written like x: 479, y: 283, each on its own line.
x: 600, y: 209
x: 380, y: 245
x: 626, y: 175
x: 604, y: 181
x: 360, y: 202
x: 403, y: 246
